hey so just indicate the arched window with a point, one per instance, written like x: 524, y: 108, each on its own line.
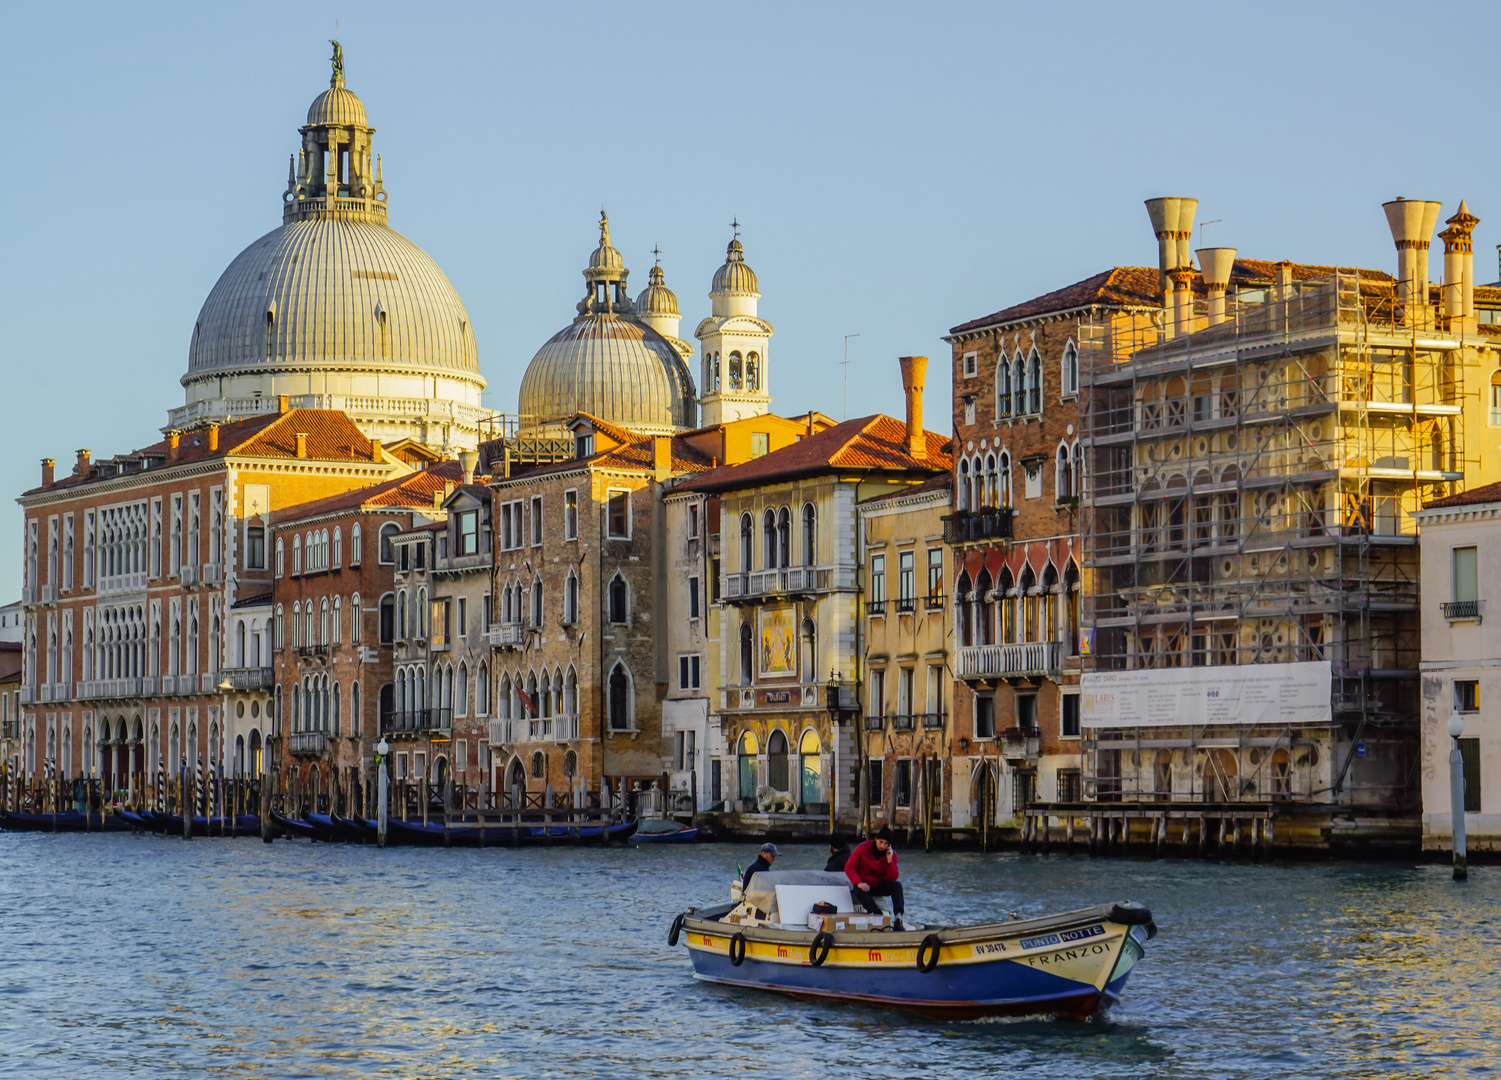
x: 622, y: 707
x: 336, y: 556
x: 296, y: 626
x: 810, y: 651
x: 769, y: 539
x: 571, y: 599
x: 401, y: 616
x: 1003, y: 389
x: 539, y: 765
x: 281, y: 557
x: 784, y: 538
x: 1018, y: 387
x: 325, y: 630
x: 963, y: 491
x: 1063, y: 469
x: 277, y: 641
x: 746, y: 528
x: 746, y: 654
x: 753, y: 372
x: 810, y: 535
x: 239, y: 643
x: 570, y: 764
x: 810, y: 754
x: 963, y: 620
x: 620, y: 610
x: 544, y: 696
x: 746, y: 752
x: 571, y: 693
x: 354, y: 709
x: 387, y: 532
x: 482, y: 690
x: 776, y: 761
x: 296, y: 555
x: 461, y: 691
x: 1070, y: 371
x: 420, y: 615
x: 1004, y: 467
x: 334, y: 728
x: 990, y: 487
x: 1077, y: 474
x: 735, y: 371
x: 355, y: 544
x: 1034, y: 383
x: 537, y: 602
x: 356, y: 634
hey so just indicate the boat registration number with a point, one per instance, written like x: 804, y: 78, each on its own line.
x: 1063, y: 937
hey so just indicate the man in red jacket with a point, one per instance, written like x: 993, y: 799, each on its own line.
x: 872, y: 872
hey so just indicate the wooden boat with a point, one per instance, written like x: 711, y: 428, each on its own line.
x: 355, y: 830
x: 293, y: 827
x: 665, y: 831
x: 415, y: 832
x: 62, y: 821
x: 237, y: 825
x: 1073, y: 965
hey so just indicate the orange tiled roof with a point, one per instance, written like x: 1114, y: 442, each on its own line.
x: 638, y: 453
x: 870, y: 444
x: 1486, y: 493
x: 411, y: 492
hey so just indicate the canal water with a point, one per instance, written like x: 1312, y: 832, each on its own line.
x: 127, y: 956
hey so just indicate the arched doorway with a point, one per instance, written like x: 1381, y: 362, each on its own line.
x: 810, y: 754
x: 748, y: 749
x: 441, y: 772
x: 776, y: 762
x: 517, y: 778
x: 1221, y: 777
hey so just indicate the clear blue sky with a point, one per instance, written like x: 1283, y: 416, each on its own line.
x: 897, y: 169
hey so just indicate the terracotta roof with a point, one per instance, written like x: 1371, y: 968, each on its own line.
x: 942, y: 482
x: 1132, y: 287
x: 871, y: 443
x: 414, y: 492
x: 639, y: 453
x: 1486, y: 493
x: 332, y: 436
x: 604, y: 427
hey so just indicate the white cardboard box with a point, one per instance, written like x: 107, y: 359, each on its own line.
x: 844, y: 922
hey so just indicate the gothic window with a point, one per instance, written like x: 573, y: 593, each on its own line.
x: 1070, y: 372
x: 1034, y: 383
x: 1003, y: 389
x: 735, y: 370
x: 810, y: 535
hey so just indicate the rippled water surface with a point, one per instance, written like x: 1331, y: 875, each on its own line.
x: 128, y: 956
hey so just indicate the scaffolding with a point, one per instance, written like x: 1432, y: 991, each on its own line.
x: 1251, y: 484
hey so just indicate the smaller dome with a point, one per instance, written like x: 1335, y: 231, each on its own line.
x: 605, y: 257
x: 657, y: 298
x: 337, y: 107
x: 734, y: 275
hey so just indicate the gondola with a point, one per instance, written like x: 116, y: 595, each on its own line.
x: 62, y: 821
x: 293, y: 827
x: 239, y: 825
x: 432, y: 833
x: 665, y: 831
x: 336, y: 828
x: 135, y: 820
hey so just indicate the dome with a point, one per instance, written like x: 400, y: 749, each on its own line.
x: 734, y: 275
x: 337, y: 107
x: 333, y: 293
x: 611, y: 367
x: 657, y: 298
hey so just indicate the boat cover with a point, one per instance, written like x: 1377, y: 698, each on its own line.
x: 762, y: 892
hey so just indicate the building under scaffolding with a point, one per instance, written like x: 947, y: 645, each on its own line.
x: 1253, y: 464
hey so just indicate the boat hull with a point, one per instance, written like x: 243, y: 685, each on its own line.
x: 1075, y: 969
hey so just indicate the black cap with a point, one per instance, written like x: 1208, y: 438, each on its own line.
x: 884, y: 833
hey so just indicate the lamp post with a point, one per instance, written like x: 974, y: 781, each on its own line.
x: 1457, y: 795
x: 381, y: 750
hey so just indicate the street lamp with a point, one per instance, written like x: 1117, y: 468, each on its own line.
x: 382, y: 748
x: 1457, y: 795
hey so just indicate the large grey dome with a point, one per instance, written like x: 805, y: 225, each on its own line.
x: 611, y: 367
x: 330, y: 292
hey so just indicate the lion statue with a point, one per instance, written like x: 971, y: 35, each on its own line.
x: 772, y: 801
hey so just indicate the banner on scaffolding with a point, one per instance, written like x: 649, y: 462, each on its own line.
x: 1279, y: 694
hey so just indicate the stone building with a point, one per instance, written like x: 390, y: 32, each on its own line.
x: 911, y: 780
x: 328, y: 654
x: 790, y: 586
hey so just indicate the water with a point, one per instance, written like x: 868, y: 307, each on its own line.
x: 124, y: 956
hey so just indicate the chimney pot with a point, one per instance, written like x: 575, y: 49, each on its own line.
x: 1172, y: 223
x: 1216, y: 265
x: 283, y: 404
x: 173, y: 438
x: 468, y: 459
x: 302, y: 444
x: 213, y: 436
x: 1411, y: 222
x: 661, y: 447
x: 48, y: 464
x: 82, y: 467
x: 914, y: 378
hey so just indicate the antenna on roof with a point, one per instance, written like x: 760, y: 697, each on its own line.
x: 1205, y: 224
x: 845, y: 363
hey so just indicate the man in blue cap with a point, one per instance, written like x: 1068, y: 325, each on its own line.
x: 763, y: 861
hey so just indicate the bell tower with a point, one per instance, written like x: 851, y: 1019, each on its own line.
x: 733, y: 344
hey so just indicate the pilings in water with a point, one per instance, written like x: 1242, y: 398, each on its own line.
x: 1230, y: 831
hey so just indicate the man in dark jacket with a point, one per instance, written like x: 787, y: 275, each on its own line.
x: 763, y: 861
x: 873, y: 872
x: 839, y: 854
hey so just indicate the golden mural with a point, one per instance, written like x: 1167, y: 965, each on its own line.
x: 778, y: 642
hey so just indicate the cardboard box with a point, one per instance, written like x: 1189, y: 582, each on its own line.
x: 846, y: 922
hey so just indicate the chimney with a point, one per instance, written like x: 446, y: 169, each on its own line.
x: 82, y: 467
x: 1284, y: 280
x: 213, y: 436
x: 1182, y: 279
x: 661, y: 457
x: 1459, y: 265
x: 1215, y: 265
x: 1412, y: 222
x: 375, y: 449
x: 47, y: 466
x: 914, y: 377
x: 1173, y: 223
x: 468, y: 459
x: 283, y: 405
x: 302, y: 444
x: 173, y: 438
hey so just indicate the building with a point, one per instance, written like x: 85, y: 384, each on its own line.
x: 1460, y: 559
x: 132, y: 566
x: 1253, y: 462
x: 334, y: 308
x: 915, y: 778
x: 790, y: 591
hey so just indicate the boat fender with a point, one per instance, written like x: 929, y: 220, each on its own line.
x: 924, y: 963
x: 818, y: 952
x: 737, y: 958
x: 672, y: 935
x: 1130, y: 913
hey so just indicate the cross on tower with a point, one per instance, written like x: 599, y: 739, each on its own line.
x: 735, y: 224
x: 657, y: 254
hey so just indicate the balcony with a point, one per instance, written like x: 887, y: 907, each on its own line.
x: 417, y: 722
x: 503, y: 732
x: 313, y: 652
x: 28, y: 595
x: 208, y: 682
x: 933, y: 601
x: 28, y: 695
x: 1461, y: 610
x: 509, y: 635
x: 931, y: 721
x: 307, y: 743
x: 560, y: 728
x: 875, y: 607
x: 1020, y: 744
x: 10, y: 729
x: 55, y: 692
x: 116, y: 688
x: 901, y: 722
x: 187, y: 576
x: 875, y: 723
x: 49, y: 594
x: 787, y: 581
x: 1018, y: 660
x: 971, y: 526
x: 212, y: 573
x: 249, y: 678
x: 906, y: 605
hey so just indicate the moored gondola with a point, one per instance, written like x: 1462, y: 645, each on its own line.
x: 293, y: 827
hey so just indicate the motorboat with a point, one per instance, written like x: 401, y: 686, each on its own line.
x: 1073, y: 965
x: 665, y: 831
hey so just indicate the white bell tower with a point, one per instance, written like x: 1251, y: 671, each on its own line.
x: 734, y: 371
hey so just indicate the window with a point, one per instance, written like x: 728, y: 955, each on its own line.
x: 878, y: 579
x: 746, y: 543
x: 620, y: 698
x: 1467, y: 695
x: 1034, y: 383
x: 337, y: 554
x: 693, y: 612
x: 1002, y: 389
x: 388, y: 532
x: 1069, y: 788
x: 985, y: 717
x: 571, y: 600
x: 420, y: 549
x: 463, y: 617
x: 281, y: 559
x: 276, y: 632
x: 1026, y: 712
x: 906, y: 581
x: 935, y: 576
x: 466, y: 539
x: 810, y: 651
x: 760, y: 443
x: 875, y: 786
x: 537, y: 603
x: 355, y: 546
x: 255, y: 547
x: 356, y: 631
x: 619, y: 515
x: 810, y: 535
x: 1068, y: 721
x: 971, y: 364
x: 1469, y: 756
x: 746, y: 656
x: 570, y: 515
x: 583, y: 446
x: 688, y: 672
x: 902, y: 783
x: 1070, y: 371
x: 784, y: 538
x: 387, y: 619
x: 692, y: 521
x: 619, y: 600
x: 438, y: 624
x: 1466, y: 581
x: 536, y: 521
x: 296, y: 555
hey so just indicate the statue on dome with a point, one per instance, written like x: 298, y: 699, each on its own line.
x: 338, y: 59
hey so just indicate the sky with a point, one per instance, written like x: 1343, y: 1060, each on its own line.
x: 896, y: 169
